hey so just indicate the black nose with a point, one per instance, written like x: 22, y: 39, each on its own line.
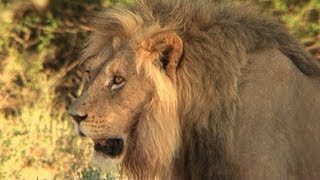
x: 79, y: 118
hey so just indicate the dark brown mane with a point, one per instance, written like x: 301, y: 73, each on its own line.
x: 243, y: 24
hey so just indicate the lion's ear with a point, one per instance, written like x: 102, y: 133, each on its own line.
x: 170, y: 48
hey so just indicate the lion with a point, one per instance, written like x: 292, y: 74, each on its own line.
x: 199, y: 90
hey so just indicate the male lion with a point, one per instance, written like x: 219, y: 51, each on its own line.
x: 194, y: 90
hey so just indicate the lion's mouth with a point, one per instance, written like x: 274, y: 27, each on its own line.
x: 112, y: 147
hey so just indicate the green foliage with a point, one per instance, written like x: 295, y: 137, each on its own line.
x: 90, y: 174
x: 39, y: 44
x: 302, y: 17
x: 304, y: 20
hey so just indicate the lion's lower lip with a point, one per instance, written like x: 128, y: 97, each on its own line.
x: 111, y: 147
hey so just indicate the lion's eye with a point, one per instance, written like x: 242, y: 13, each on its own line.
x: 117, y: 82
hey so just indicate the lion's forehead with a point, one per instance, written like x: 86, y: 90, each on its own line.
x: 120, y: 64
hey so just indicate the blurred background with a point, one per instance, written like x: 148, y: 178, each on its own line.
x: 40, y: 41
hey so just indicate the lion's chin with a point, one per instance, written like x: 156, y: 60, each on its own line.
x: 104, y: 162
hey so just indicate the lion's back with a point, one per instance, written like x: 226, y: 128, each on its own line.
x: 278, y: 120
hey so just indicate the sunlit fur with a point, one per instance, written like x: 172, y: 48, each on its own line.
x: 194, y: 114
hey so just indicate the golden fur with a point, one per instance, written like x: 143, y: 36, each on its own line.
x: 188, y: 57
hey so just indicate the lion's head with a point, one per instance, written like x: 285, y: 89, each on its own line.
x: 129, y: 95
x: 144, y: 93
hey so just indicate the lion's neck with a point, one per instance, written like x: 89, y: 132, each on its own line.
x: 205, y: 152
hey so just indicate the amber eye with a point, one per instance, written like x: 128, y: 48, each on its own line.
x: 118, y: 80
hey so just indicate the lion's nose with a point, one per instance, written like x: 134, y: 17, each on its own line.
x: 77, y: 113
x: 79, y: 118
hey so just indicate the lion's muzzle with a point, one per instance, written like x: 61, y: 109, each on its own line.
x: 112, y: 147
